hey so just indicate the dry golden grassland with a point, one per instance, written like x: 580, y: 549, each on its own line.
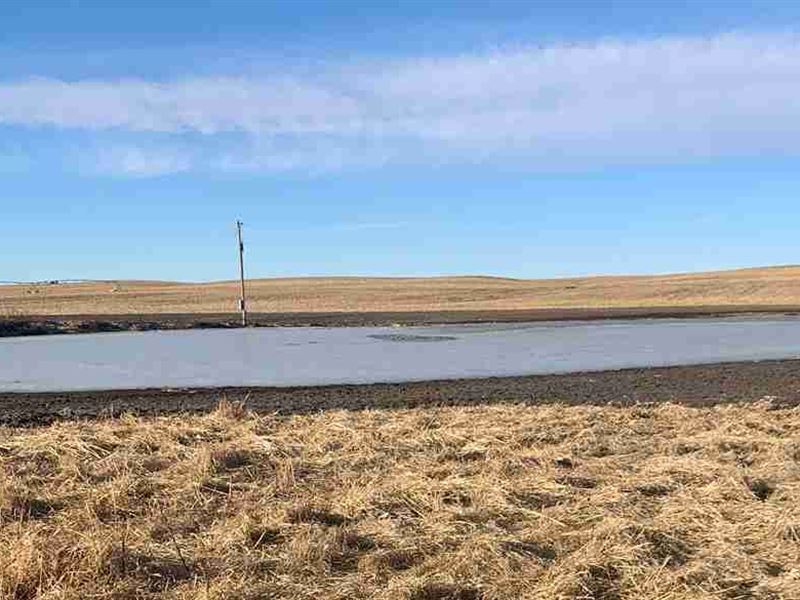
x: 490, y: 502
x: 757, y: 287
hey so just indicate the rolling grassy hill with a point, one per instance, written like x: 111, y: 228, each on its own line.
x: 773, y: 286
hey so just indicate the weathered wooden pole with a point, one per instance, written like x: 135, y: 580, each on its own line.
x: 242, y: 302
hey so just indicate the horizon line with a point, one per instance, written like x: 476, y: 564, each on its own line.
x: 68, y: 281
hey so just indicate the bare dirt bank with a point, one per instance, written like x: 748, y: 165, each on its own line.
x: 57, y: 324
x: 703, y: 385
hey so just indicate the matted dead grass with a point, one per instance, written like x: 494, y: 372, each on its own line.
x: 777, y: 286
x: 463, y: 503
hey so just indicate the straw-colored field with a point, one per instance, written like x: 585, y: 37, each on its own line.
x: 757, y: 287
x: 547, y: 502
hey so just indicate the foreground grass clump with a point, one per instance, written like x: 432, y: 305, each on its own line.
x: 425, y: 504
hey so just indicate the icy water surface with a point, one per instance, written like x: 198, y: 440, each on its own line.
x: 318, y: 356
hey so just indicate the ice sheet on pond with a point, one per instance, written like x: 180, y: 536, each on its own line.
x: 289, y: 356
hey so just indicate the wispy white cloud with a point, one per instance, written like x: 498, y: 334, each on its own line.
x: 133, y: 161
x: 600, y: 102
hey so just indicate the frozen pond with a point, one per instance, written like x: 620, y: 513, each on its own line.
x: 318, y: 356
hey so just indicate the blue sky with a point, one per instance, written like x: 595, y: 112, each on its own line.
x: 527, y: 139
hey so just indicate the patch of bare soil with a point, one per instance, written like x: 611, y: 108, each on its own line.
x: 20, y: 325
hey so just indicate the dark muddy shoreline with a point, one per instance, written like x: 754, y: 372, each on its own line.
x: 703, y: 385
x: 49, y: 325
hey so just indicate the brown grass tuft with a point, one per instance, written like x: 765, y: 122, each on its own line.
x: 307, y: 513
x: 21, y: 506
x: 235, y: 410
x: 445, y: 591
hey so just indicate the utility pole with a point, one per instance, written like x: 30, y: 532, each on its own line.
x: 242, y: 303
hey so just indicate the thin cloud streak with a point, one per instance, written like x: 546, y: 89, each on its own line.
x: 136, y: 162
x: 588, y: 104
